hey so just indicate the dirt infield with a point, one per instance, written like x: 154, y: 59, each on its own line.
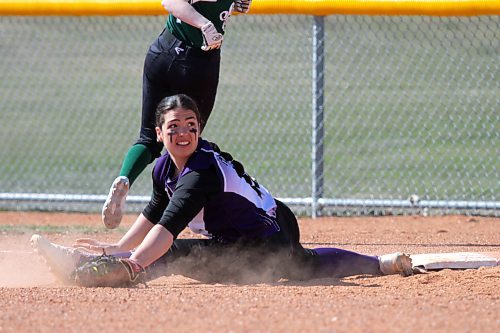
x: 445, y: 301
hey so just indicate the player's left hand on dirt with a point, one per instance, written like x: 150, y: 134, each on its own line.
x: 109, y: 271
x: 242, y: 6
x: 212, y: 39
x: 93, y: 245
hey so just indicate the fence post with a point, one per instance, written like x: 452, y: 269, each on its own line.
x: 318, y: 70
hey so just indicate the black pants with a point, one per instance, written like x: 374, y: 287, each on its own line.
x: 172, y: 67
x: 279, y: 256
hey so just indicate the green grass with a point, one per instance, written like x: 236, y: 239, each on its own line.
x: 411, y: 104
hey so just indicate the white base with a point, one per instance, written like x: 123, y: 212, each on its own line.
x: 456, y: 260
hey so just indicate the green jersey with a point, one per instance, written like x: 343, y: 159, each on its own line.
x: 217, y: 11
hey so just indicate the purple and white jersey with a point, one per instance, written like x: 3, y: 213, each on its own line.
x: 240, y: 208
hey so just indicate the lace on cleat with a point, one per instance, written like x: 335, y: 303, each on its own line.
x: 112, y: 211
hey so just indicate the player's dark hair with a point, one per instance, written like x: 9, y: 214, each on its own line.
x: 238, y: 167
x: 171, y: 103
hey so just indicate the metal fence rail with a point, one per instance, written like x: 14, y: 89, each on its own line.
x: 335, y: 115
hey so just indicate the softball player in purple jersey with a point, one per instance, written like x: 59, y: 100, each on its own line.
x: 185, y: 58
x: 196, y: 185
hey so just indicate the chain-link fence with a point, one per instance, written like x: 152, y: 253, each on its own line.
x: 410, y: 107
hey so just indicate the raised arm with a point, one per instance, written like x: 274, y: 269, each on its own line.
x: 185, y: 12
x: 182, y: 10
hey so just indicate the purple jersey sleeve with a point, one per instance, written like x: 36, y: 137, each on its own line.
x: 213, y: 198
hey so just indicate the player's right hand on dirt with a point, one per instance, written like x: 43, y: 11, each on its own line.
x: 212, y: 39
x: 96, y: 246
x: 109, y: 271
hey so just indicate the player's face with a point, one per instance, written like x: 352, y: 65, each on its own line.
x: 180, y: 132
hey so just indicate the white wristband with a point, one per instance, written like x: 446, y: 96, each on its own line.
x: 212, y: 39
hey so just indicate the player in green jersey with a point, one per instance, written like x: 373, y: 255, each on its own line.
x: 185, y: 58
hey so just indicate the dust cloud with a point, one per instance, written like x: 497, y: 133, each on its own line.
x: 230, y: 265
x: 20, y: 266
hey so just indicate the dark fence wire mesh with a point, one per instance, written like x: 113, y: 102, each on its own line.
x: 411, y: 107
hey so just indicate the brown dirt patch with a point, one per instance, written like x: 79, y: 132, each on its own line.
x: 444, y: 301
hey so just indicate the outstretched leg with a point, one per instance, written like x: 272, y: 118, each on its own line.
x: 333, y: 262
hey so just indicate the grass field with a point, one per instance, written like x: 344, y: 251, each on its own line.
x: 411, y: 104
